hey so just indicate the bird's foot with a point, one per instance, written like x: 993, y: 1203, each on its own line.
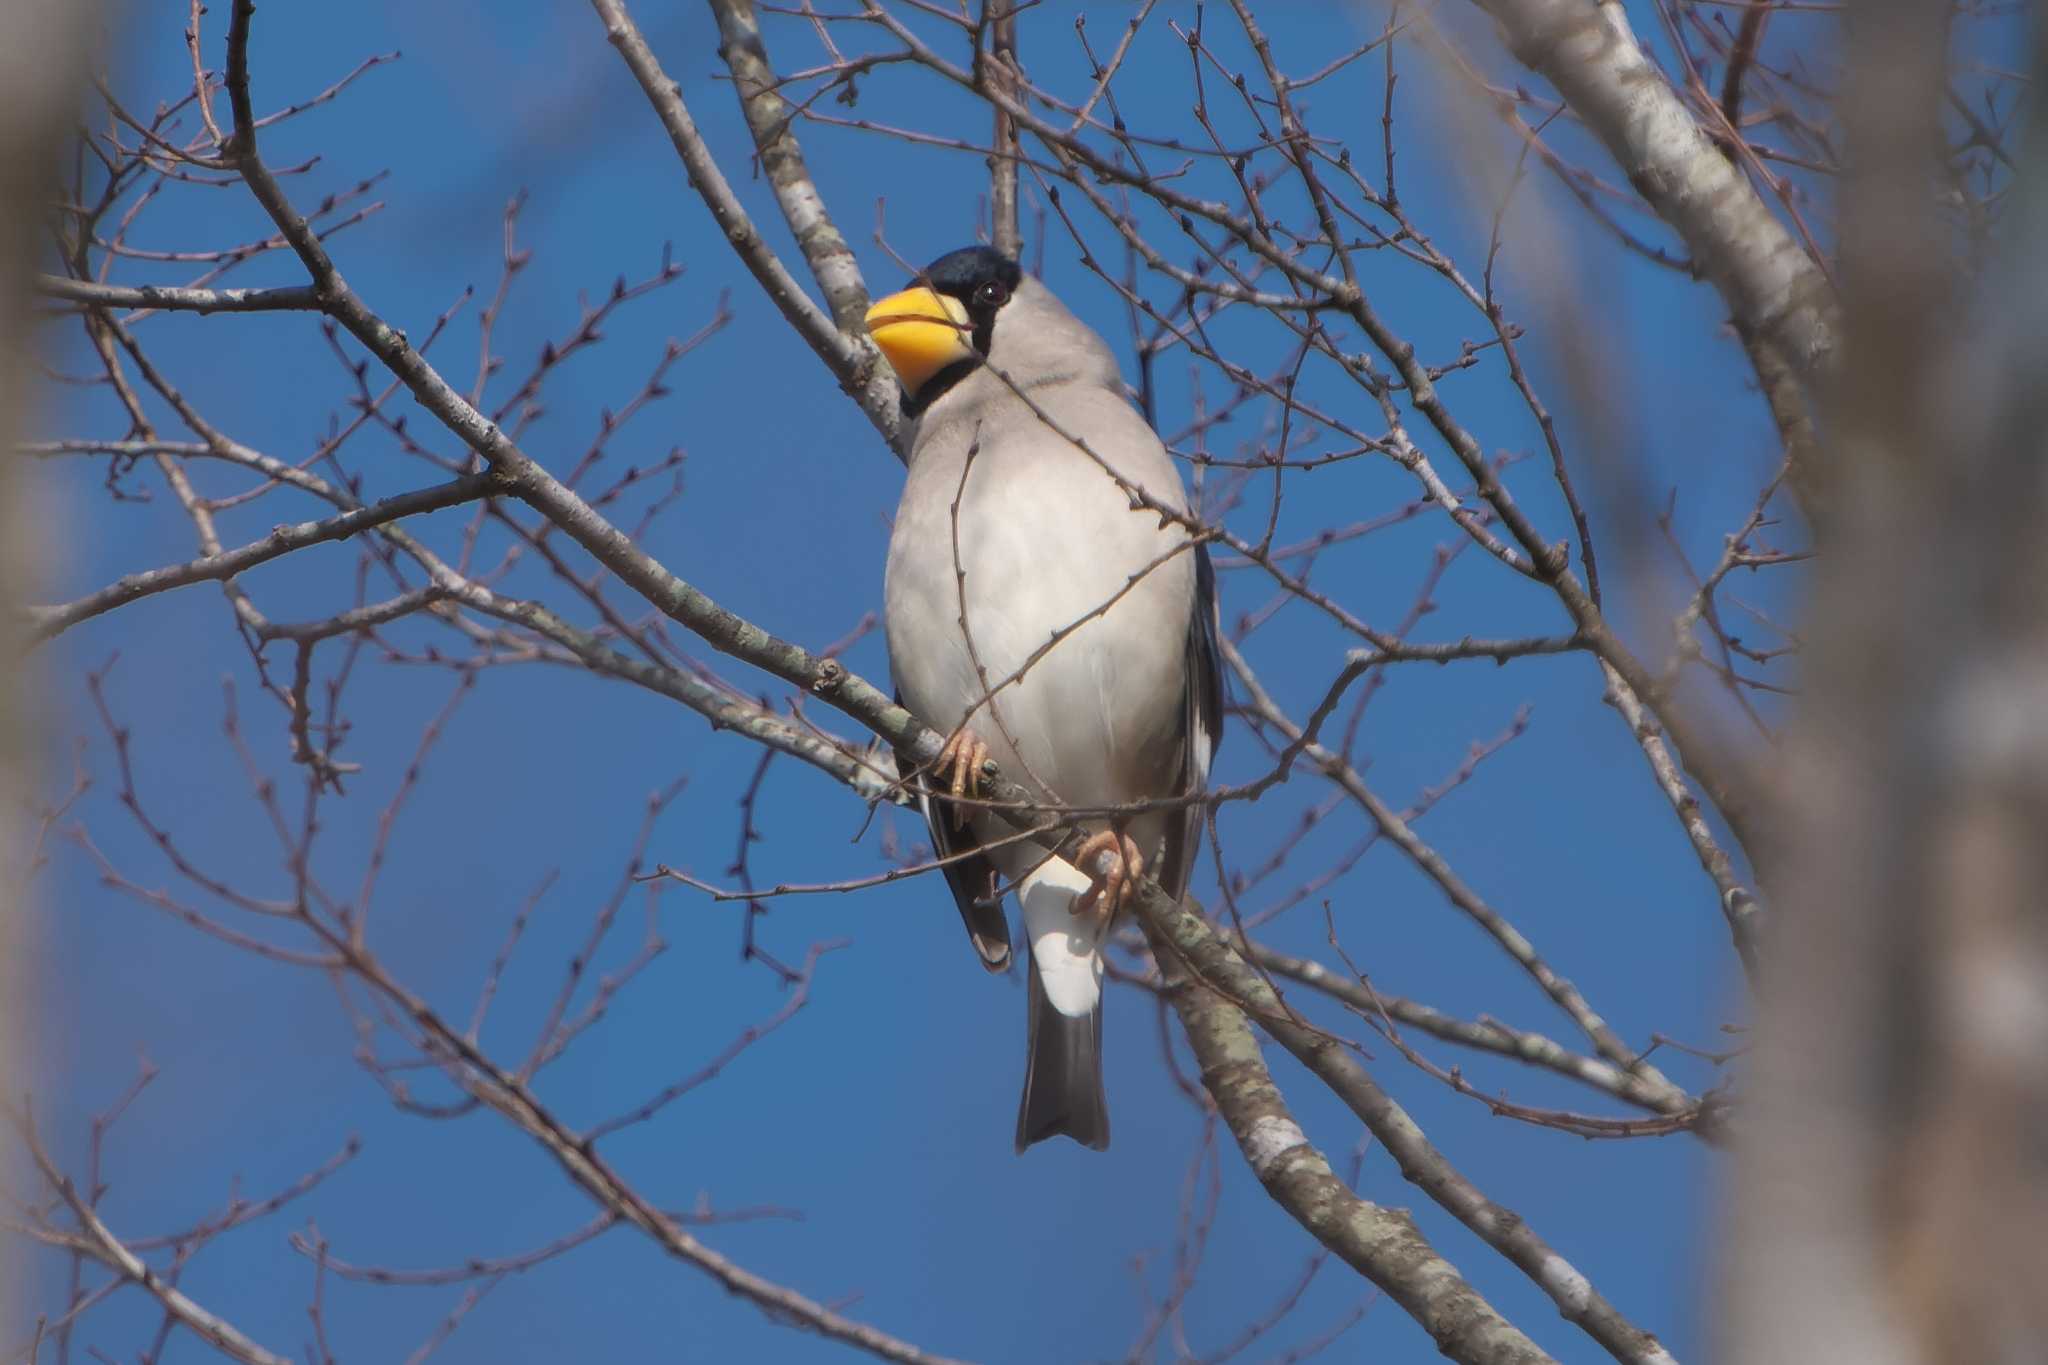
x: 1110, y: 889
x: 959, y: 768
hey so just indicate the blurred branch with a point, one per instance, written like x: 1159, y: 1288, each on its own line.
x: 1889, y: 1191
x: 1793, y: 416
x: 1780, y: 299
x: 1740, y: 57
x: 41, y: 61
x: 1587, y: 51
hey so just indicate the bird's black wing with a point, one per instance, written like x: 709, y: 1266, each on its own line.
x: 1202, y: 728
x: 972, y: 879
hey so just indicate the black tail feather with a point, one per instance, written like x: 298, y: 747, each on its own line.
x: 1062, y: 1075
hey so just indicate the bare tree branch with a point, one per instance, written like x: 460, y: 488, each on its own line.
x: 52, y: 621
x: 1382, y: 1244
x: 1485, y: 1035
x: 999, y: 20
x: 1773, y: 288
x: 770, y: 120
x: 97, y: 1241
x: 292, y: 298
x: 850, y: 356
x: 1219, y: 981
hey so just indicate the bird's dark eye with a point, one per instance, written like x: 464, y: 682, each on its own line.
x: 992, y: 294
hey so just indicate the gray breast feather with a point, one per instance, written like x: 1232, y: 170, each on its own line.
x: 1045, y: 539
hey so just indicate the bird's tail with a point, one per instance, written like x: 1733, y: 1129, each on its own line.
x: 1062, y: 1074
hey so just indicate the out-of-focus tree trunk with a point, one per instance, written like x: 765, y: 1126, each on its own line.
x: 41, y: 42
x: 1894, y: 1183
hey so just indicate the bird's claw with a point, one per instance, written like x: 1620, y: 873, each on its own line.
x: 1110, y: 889
x: 959, y: 768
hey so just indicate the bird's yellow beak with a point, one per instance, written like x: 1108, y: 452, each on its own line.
x: 921, y: 332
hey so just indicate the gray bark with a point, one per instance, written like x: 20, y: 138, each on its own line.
x: 39, y: 65
x: 1892, y: 1184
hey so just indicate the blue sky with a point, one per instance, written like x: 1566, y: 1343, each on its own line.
x: 882, y: 1112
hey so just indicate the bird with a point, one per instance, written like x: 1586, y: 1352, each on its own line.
x: 1049, y: 606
